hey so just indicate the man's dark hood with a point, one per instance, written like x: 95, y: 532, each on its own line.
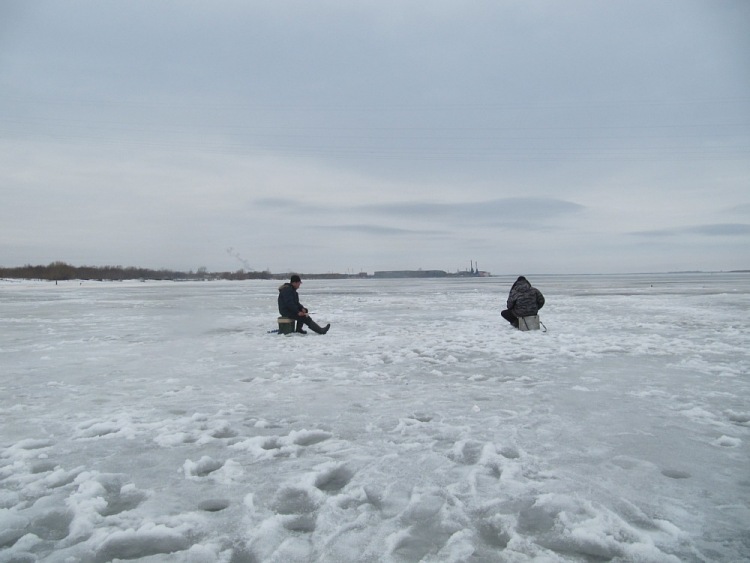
x: 521, y: 284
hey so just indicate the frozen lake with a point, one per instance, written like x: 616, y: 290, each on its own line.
x: 161, y: 421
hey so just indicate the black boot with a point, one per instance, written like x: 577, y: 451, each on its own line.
x: 316, y: 327
x: 300, y: 324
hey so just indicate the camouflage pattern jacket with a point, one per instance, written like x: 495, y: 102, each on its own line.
x: 524, y: 300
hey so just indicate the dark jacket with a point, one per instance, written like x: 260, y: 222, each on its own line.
x: 524, y: 300
x: 289, y: 305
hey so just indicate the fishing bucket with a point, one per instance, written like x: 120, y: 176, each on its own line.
x: 528, y: 323
x: 286, y: 326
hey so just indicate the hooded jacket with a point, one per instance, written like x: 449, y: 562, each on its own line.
x: 289, y: 305
x: 524, y: 300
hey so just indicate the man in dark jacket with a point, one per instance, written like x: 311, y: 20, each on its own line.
x: 523, y: 301
x: 291, y: 308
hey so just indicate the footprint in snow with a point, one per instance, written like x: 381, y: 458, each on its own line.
x: 213, y: 505
x: 42, y: 467
x: 309, y: 437
x: 92, y: 430
x: 675, y: 474
x: 425, y: 528
x: 742, y: 418
x: 292, y: 499
x: 52, y: 526
x: 272, y: 443
x: 304, y: 523
x: 466, y: 452
x: 296, y: 438
x: 201, y: 468
x: 132, y: 544
x: 33, y: 444
x: 334, y: 479
x: 119, y: 495
x: 510, y: 452
x: 297, y: 506
x: 727, y: 442
x: 223, y: 430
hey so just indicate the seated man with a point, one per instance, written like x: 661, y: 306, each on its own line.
x: 523, y: 301
x: 291, y: 308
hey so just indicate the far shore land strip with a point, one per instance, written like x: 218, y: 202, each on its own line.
x: 61, y: 271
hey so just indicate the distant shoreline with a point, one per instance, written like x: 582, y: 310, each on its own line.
x: 60, y: 271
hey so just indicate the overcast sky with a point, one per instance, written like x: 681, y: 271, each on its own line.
x: 346, y: 136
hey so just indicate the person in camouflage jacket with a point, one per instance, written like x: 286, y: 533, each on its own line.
x: 523, y: 301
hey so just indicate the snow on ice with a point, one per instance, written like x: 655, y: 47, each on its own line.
x: 163, y: 422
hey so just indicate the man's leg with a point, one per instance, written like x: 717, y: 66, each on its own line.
x: 510, y: 317
x: 312, y: 324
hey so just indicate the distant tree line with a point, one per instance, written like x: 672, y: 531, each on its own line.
x: 59, y: 271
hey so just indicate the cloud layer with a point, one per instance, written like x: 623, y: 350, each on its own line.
x: 529, y: 136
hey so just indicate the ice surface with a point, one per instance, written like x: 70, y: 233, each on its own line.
x: 162, y: 422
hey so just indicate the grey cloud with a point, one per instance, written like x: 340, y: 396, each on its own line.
x: 510, y: 208
x: 743, y: 209
x: 277, y: 203
x: 539, y: 208
x: 379, y: 230
x: 713, y: 230
x: 725, y: 229
x: 657, y: 233
x: 287, y: 205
